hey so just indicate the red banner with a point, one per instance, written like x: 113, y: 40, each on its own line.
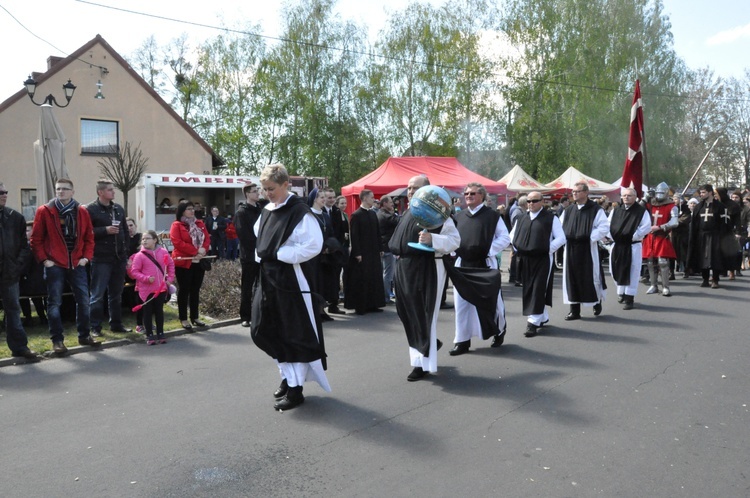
x: 632, y: 175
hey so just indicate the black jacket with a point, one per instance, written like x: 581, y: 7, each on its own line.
x: 244, y: 221
x: 14, y: 247
x: 108, y: 248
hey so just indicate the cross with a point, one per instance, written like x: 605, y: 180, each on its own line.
x: 726, y: 217
x: 656, y: 216
x: 706, y: 215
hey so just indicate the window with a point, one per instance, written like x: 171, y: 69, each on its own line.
x: 99, y: 137
x: 28, y: 203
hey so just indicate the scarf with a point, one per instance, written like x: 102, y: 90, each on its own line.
x: 68, y: 217
x: 195, y: 231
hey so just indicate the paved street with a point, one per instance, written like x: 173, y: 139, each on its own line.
x: 650, y: 402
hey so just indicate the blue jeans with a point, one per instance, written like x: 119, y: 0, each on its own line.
x: 17, y: 341
x: 109, y: 277
x: 233, y: 249
x: 79, y: 283
x: 389, y: 265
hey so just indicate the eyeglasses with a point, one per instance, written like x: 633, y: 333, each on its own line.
x: 470, y: 193
x: 3, y: 192
x: 533, y: 201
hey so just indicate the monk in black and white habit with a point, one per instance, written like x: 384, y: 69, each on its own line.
x: 285, y: 323
x: 628, y: 225
x: 419, y: 280
x: 480, y: 310
x: 536, y: 237
x: 585, y: 224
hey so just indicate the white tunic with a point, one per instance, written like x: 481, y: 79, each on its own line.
x: 599, y: 231
x: 644, y: 227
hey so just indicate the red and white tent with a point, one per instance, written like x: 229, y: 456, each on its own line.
x: 395, y: 172
x: 572, y: 176
x: 517, y: 180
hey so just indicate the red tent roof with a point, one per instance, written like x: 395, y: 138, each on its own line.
x: 445, y: 172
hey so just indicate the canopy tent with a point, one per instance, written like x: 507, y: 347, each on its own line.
x: 395, y: 173
x: 572, y: 176
x: 517, y: 180
x: 49, y: 155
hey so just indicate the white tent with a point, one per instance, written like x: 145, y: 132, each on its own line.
x: 517, y: 180
x: 572, y: 176
x: 49, y: 155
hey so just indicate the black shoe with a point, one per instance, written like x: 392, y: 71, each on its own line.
x: 518, y: 284
x: 620, y: 298
x: 460, y: 348
x: 59, y: 347
x: 245, y: 323
x: 705, y: 283
x: 198, y: 323
x: 543, y: 323
x: 89, y: 341
x: 628, y: 305
x: 446, y: 306
x: 334, y: 310
x: 96, y: 333
x: 282, y: 390
x: 25, y: 353
x: 186, y: 325
x: 121, y: 330
x: 597, y: 309
x: 531, y: 330
x: 498, y: 340
x: 293, y: 399
x: 573, y: 316
x: 416, y: 374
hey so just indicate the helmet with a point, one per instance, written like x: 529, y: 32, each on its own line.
x: 662, y: 190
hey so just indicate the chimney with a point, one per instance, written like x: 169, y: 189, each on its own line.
x: 52, y: 60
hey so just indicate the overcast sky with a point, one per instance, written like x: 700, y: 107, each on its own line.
x: 713, y: 33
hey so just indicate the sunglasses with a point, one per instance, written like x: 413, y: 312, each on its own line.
x: 3, y: 192
x: 470, y: 193
x: 533, y: 201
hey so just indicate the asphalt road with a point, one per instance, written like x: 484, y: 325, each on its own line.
x: 650, y: 402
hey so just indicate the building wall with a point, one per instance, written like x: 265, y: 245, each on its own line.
x: 143, y: 121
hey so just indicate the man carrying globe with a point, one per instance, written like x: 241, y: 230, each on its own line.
x: 420, y: 274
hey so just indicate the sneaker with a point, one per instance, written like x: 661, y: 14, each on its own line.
x: 151, y: 342
x: 139, y: 329
x: 96, y: 333
x: 652, y: 290
x: 162, y: 341
x: 665, y: 292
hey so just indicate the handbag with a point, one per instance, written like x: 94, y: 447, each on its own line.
x: 205, y: 264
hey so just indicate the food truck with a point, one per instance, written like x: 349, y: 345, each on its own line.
x: 157, y: 195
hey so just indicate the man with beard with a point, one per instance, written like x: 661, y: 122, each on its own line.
x: 244, y: 221
x: 419, y: 280
x: 584, y: 224
x: 365, y: 271
x: 285, y: 323
x: 706, y: 228
x: 657, y: 246
x: 628, y: 225
x: 536, y: 236
x: 483, y: 236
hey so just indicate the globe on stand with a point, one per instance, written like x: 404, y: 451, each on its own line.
x: 430, y: 206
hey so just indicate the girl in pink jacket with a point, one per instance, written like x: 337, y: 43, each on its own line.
x: 153, y: 270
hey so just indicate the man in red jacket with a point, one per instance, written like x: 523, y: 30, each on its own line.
x: 62, y: 239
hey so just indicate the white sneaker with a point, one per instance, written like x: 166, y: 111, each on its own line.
x: 652, y: 290
x: 665, y: 292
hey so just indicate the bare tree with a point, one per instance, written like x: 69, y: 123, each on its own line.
x: 124, y: 167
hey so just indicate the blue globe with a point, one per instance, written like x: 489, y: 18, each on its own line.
x: 430, y: 206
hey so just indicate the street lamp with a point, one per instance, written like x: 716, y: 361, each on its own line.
x: 69, y: 88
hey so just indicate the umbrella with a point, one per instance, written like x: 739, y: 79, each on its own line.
x: 49, y: 155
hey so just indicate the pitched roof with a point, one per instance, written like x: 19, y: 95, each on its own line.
x: 216, y: 160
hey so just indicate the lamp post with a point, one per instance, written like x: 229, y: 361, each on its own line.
x: 69, y: 88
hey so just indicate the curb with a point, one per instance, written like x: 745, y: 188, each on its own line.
x: 116, y: 343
